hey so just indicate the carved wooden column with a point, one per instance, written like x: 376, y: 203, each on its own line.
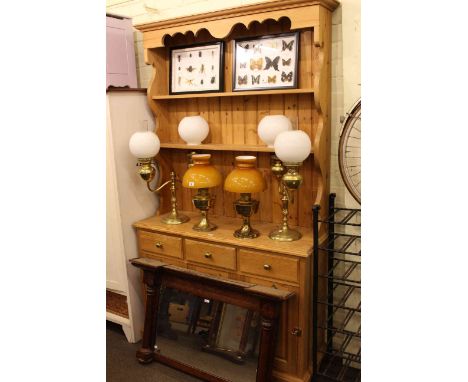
x: 269, y: 320
x: 153, y: 286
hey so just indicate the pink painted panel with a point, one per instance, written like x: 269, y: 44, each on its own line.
x: 120, y: 62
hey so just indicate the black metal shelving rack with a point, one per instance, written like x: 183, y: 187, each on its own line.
x: 338, y: 291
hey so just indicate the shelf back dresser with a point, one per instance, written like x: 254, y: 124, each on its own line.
x: 233, y: 117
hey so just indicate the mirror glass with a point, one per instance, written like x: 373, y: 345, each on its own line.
x: 216, y: 337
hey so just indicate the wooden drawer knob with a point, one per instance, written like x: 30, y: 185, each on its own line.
x: 267, y: 267
x: 158, y: 244
x: 208, y: 255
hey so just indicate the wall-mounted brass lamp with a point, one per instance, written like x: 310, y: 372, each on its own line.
x: 145, y: 146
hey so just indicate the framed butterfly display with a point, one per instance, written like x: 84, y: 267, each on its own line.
x: 267, y: 62
x: 196, y: 68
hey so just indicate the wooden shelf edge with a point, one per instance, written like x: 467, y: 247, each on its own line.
x: 219, y: 147
x: 233, y: 94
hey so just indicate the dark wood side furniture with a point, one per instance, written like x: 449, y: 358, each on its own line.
x: 264, y: 300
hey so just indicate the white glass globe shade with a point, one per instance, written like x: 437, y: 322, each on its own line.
x: 193, y: 130
x: 270, y: 126
x: 292, y: 146
x: 144, y: 144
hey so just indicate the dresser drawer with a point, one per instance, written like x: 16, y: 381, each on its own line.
x: 210, y: 254
x: 161, y: 244
x: 271, y: 266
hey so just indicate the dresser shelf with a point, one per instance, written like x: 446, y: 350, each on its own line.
x: 217, y: 147
x: 234, y: 94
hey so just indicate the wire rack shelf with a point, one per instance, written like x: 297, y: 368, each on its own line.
x: 336, y: 314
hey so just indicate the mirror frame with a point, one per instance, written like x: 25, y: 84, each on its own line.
x: 264, y: 300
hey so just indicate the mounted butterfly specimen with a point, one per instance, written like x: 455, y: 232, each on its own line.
x: 286, y: 77
x: 242, y: 80
x: 287, y: 46
x: 255, y: 79
x: 266, y: 62
x: 256, y: 64
x: 190, y: 69
x: 272, y: 63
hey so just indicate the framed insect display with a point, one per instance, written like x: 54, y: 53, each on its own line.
x: 267, y: 62
x: 196, y: 68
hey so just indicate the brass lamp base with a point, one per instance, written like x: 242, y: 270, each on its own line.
x: 202, y: 201
x: 174, y: 218
x: 285, y: 234
x: 246, y: 207
x: 291, y: 180
x: 246, y: 232
x: 204, y: 225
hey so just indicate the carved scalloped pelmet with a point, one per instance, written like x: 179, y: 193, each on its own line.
x: 300, y: 17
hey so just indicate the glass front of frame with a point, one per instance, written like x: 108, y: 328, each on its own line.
x: 196, y: 69
x: 269, y: 62
x: 219, y: 338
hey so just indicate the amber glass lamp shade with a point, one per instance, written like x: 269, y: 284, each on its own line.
x: 245, y: 178
x: 202, y: 174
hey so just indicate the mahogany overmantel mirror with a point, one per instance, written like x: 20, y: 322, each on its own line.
x: 212, y: 328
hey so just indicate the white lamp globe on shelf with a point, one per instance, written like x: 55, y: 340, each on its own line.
x: 272, y: 125
x: 292, y: 146
x: 193, y: 130
x: 144, y: 144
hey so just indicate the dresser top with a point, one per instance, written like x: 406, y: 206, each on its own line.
x: 224, y: 234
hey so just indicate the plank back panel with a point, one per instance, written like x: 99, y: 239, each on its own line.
x: 234, y: 120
